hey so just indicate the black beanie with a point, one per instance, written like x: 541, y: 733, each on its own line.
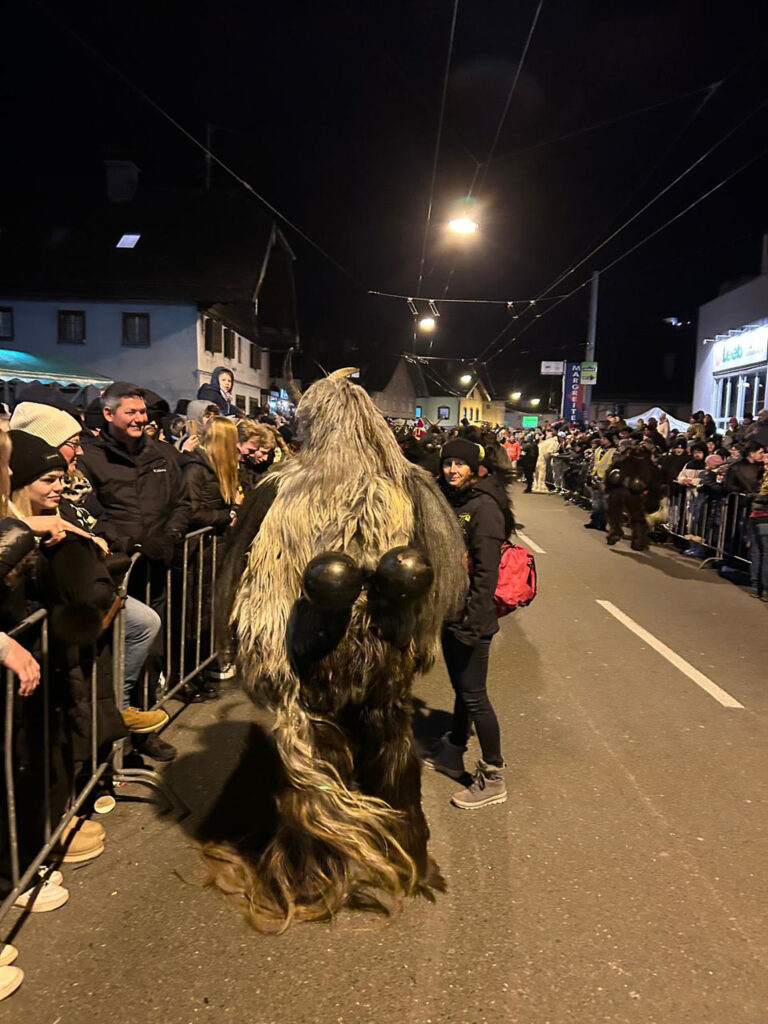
x: 467, y: 451
x: 31, y: 458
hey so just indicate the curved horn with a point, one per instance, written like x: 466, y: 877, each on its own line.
x: 293, y: 387
x: 346, y: 371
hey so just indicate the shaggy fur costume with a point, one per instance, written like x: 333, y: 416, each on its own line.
x: 350, y: 828
x: 634, y: 489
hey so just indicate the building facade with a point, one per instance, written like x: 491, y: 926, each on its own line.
x: 732, y: 352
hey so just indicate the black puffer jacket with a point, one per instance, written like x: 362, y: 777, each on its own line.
x: 140, y: 494
x: 743, y: 477
x: 486, y: 520
x: 207, y: 505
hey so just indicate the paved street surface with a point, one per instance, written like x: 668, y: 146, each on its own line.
x: 624, y: 880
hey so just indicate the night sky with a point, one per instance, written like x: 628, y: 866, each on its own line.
x: 330, y: 110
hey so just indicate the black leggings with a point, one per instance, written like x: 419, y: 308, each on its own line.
x: 468, y: 670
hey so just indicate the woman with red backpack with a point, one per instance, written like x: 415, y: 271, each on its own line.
x: 480, y: 501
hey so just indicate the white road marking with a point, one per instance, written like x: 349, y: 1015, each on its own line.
x: 530, y: 543
x: 674, y: 659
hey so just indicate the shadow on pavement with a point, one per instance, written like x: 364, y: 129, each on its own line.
x: 670, y: 566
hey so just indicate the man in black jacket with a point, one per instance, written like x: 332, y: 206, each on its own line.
x: 143, y: 504
x: 744, y: 476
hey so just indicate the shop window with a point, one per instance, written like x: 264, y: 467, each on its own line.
x: 71, y: 327
x: 240, y: 401
x: 136, y: 329
x: 253, y: 408
x: 418, y: 412
x: 443, y: 412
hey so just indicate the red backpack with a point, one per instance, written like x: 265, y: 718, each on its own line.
x: 517, y: 579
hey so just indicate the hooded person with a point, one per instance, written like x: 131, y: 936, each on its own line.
x: 219, y: 391
x: 344, y: 564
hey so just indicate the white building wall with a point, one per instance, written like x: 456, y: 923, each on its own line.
x: 430, y: 406
x: 249, y: 383
x: 167, y: 365
x: 732, y: 311
x: 174, y: 364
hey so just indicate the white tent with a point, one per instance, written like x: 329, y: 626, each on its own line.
x: 656, y: 412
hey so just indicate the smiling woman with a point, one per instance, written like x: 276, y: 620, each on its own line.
x: 38, y: 471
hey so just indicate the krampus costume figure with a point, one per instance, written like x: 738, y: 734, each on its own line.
x: 634, y: 488
x: 353, y: 562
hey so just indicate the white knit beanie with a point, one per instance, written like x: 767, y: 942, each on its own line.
x: 53, y: 425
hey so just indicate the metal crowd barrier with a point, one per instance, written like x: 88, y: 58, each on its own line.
x: 185, y: 626
x: 716, y: 522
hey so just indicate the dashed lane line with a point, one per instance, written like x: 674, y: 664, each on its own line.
x: 684, y: 666
x: 525, y: 539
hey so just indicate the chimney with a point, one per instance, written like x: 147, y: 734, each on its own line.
x: 122, y: 180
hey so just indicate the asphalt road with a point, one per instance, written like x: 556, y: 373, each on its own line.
x: 623, y: 881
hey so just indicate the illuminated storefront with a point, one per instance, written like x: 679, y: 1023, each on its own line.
x: 732, y: 353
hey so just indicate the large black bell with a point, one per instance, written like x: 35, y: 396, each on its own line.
x: 635, y: 485
x: 332, y: 581
x: 403, y: 574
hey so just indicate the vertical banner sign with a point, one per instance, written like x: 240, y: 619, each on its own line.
x: 573, y: 393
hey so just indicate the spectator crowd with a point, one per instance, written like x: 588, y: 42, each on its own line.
x: 94, y: 508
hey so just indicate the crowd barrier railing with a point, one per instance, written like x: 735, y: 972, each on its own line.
x: 715, y: 522
x: 187, y: 596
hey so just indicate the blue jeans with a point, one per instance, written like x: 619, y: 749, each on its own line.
x: 758, y: 554
x: 142, y: 625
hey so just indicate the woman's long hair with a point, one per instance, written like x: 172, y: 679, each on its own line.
x: 219, y: 442
x: 5, y: 473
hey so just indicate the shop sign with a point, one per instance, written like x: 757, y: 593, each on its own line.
x: 530, y: 421
x: 741, y: 350
x: 589, y: 373
x: 550, y: 369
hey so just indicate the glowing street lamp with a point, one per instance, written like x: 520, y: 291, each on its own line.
x: 535, y: 401
x: 516, y: 396
x: 465, y: 378
x: 463, y: 226
x: 427, y: 324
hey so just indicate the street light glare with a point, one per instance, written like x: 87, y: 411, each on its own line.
x: 535, y: 401
x: 463, y: 226
x: 465, y: 378
x: 516, y: 396
x: 427, y: 324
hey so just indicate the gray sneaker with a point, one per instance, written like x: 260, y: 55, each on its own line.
x: 447, y: 758
x: 487, y: 788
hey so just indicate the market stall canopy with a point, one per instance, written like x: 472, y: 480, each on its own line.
x: 656, y: 413
x: 22, y: 366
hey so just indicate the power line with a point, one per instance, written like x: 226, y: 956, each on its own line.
x: 437, y: 143
x: 477, y: 302
x: 499, y: 127
x: 201, y: 146
x: 637, y: 214
x: 637, y: 245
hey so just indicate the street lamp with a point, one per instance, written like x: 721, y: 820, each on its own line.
x: 465, y: 378
x: 535, y: 401
x: 516, y: 396
x: 427, y: 324
x: 463, y: 226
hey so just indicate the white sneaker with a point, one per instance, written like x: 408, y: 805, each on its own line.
x: 41, y: 898
x: 8, y: 954
x: 53, y: 877
x: 10, y: 979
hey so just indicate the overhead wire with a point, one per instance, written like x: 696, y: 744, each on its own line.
x: 499, y: 126
x: 622, y: 227
x: 637, y: 245
x: 711, y: 90
x: 438, y: 140
x: 475, y: 302
x: 201, y: 145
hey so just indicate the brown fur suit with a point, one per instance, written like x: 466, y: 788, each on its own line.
x: 350, y: 828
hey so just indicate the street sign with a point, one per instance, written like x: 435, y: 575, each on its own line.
x: 589, y: 373
x: 530, y: 421
x: 552, y: 369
